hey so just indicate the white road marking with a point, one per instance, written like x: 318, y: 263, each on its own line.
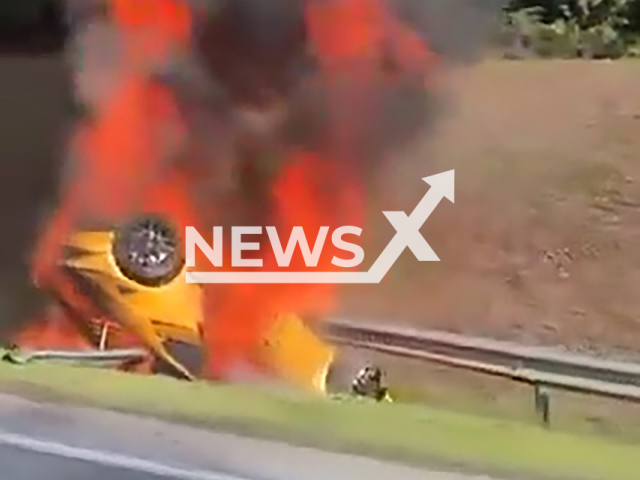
x: 109, y: 459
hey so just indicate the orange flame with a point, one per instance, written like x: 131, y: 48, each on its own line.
x: 122, y: 150
x: 53, y: 330
x: 308, y: 193
x: 123, y: 153
x: 348, y: 38
x: 155, y: 27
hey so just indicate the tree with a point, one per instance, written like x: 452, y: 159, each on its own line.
x: 588, y: 28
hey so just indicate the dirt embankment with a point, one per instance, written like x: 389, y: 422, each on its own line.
x: 542, y: 244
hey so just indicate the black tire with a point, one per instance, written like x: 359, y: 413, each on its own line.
x: 148, y: 250
x: 188, y: 355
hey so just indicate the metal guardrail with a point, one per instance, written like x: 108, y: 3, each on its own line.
x: 494, y: 352
x: 537, y: 366
x: 540, y: 367
x: 95, y: 357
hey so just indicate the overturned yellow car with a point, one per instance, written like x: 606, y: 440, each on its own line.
x: 136, y: 274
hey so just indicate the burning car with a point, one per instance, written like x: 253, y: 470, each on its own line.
x: 165, y: 146
x: 136, y: 274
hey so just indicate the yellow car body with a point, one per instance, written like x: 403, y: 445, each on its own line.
x: 173, y: 312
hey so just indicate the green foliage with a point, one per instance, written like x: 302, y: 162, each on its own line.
x: 575, y: 28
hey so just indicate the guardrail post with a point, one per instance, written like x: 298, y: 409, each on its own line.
x: 103, y: 336
x: 542, y: 403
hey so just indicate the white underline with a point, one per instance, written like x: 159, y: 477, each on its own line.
x: 109, y: 459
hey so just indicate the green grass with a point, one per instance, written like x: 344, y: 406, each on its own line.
x: 406, y: 432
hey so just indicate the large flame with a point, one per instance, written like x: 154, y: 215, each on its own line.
x: 54, y: 329
x: 320, y: 188
x: 124, y: 152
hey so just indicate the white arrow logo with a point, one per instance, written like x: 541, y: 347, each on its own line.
x: 407, y: 236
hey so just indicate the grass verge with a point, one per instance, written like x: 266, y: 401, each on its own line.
x: 404, y: 432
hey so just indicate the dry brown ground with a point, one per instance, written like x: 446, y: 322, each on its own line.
x: 543, y: 242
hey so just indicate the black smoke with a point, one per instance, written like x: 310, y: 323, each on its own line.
x: 247, y: 52
x: 257, y: 52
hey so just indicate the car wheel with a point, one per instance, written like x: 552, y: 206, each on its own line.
x: 148, y: 251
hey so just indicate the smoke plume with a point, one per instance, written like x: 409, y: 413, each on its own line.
x: 255, y: 112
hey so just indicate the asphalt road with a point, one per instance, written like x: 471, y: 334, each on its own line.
x: 58, y: 442
x: 19, y: 464
x: 27, y: 458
